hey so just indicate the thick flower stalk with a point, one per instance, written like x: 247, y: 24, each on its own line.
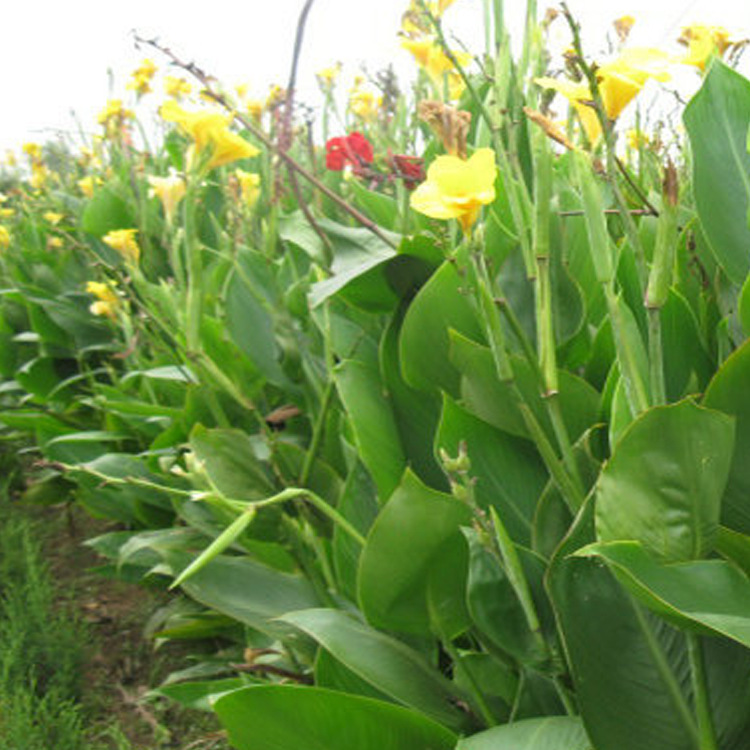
x: 123, y: 240
x: 211, y: 135
x: 457, y: 189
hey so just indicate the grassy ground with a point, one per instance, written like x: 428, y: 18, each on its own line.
x: 74, y: 664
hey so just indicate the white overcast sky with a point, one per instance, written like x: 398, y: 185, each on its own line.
x: 55, y: 55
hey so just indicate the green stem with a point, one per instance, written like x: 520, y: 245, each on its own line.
x: 656, y: 357
x: 317, y: 435
x: 700, y: 694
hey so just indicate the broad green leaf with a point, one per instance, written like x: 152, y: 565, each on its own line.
x: 424, y: 345
x: 250, y: 320
x: 104, y: 212
x: 199, y: 695
x: 381, y: 208
x: 508, y: 472
x: 411, y: 531
x: 295, y: 228
x: 416, y: 412
x: 375, y: 432
x: 623, y: 662
x: 727, y: 392
x: 333, y: 674
x: 386, y: 663
x: 230, y: 463
x: 708, y: 596
x: 290, y: 717
x: 663, y: 485
x: 246, y: 590
x: 548, y: 733
x: 717, y: 120
x: 485, y: 396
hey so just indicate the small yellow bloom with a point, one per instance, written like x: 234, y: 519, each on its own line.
x: 276, y: 95
x: 123, y: 240
x: 4, y: 238
x: 249, y: 186
x: 327, y: 77
x: 176, y: 87
x: 39, y: 175
x: 254, y: 108
x: 106, y: 309
x: 33, y: 151
x: 102, y: 291
x: 364, y: 100
x: 10, y: 158
x: 456, y: 188
x: 3, y: 198
x: 210, y: 133
x: 86, y: 185
x: 703, y: 42
x: 54, y: 243
x: 623, y: 26
x: 169, y: 190
x: 6, y: 213
x: 52, y: 217
x: 141, y: 77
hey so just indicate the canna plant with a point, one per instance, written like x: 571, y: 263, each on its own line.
x: 442, y: 458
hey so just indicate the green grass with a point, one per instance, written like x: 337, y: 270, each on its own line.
x: 41, y: 650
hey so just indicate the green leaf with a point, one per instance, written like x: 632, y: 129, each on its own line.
x: 295, y: 228
x: 230, y: 463
x: 424, y: 344
x: 289, y: 717
x: 246, y: 590
x: 411, y: 531
x: 624, y: 663
x: 106, y: 211
x: 199, y: 695
x: 250, y: 320
x: 548, y: 733
x: 379, y: 445
x: 664, y: 483
x: 727, y: 392
x: 707, y: 596
x: 717, y: 120
x: 384, y: 662
x: 508, y: 472
x: 485, y: 396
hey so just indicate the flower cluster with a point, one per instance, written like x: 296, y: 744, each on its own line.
x: 141, y: 77
x: 353, y: 150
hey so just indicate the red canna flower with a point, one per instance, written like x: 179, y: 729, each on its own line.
x: 409, y: 168
x: 353, y: 149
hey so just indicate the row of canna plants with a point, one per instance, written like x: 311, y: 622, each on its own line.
x: 454, y: 459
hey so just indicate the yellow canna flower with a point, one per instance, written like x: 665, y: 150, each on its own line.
x: 276, y: 95
x: 210, y: 133
x: 364, y: 100
x: 52, y: 217
x: 169, y: 190
x: 39, y: 175
x: 102, y: 291
x: 249, y: 186
x: 10, y: 158
x: 431, y: 57
x: 327, y: 77
x: 6, y: 213
x: 4, y: 238
x: 86, y: 186
x: 456, y: 188
x: 141, y: 77
x: 104, y: 308
x: 54, y: 243
x: 176, y: 87
x: 254, y: 108
x: 619, y: 82
x: 623, y: 26
x: 33, y: 151
x: 123, y: 240
x: 703, y: 42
